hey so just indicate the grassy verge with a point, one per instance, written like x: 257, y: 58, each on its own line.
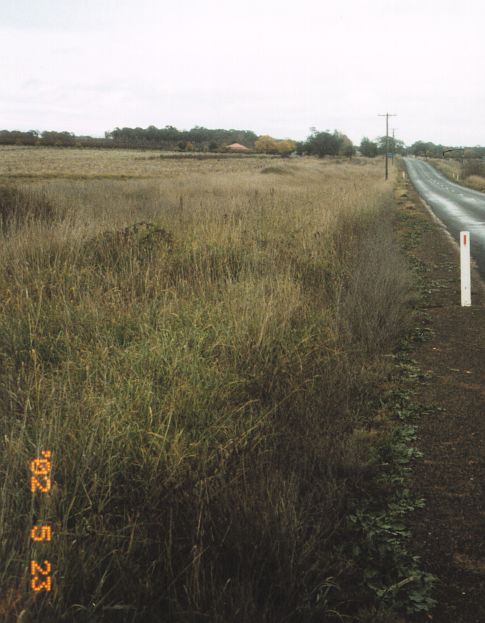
x: 381, y: 515
x: 206, y: 380
x: 470, y: 174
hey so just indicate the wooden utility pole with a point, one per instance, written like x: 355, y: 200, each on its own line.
x: 387, y: 115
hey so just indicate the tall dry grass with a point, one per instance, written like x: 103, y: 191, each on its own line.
x: 197, y: 378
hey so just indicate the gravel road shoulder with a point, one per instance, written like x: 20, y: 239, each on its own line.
x: 449, y: 533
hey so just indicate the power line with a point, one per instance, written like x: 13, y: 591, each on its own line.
x: 387, y: 115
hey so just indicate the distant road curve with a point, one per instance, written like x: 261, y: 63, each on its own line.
x: 459, y: 208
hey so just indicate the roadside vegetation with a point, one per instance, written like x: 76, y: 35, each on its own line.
x: 463, y: 165
x: 469, y: 173
x: 207, y: 350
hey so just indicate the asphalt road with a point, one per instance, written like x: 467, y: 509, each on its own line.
x: 459, y: 208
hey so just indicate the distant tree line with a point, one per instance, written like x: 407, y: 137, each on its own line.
x: 169, y: 137
x: 49, y: 138
x: 199, y: 138
x: 424, y: 149
x: 16, y: 137
x: 432, y: 150
x: 196, y: 139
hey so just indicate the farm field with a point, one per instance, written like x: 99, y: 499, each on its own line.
x: 48, y: 162
x: 202, y: 346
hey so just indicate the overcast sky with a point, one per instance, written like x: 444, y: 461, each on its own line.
x: 273, y: 66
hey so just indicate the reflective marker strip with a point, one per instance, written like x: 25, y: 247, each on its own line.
x: 466, y: 299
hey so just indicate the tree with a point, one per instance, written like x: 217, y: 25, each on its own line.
x: 323, y: 143
x: 266, y: 145
x: 286, y: 147
x: 346, y: 146
x: 368, y: 148
x: 420, y: 148
x: 394, y: 145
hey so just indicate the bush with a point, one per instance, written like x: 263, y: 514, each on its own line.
x: 139, y: 242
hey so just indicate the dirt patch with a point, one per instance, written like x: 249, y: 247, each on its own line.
x: 449, y: 533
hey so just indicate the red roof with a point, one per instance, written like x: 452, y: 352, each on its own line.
x: 237, y: 147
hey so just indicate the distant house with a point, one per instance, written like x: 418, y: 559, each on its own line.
x: 237, y: 147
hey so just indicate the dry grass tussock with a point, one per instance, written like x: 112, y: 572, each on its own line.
x: 198, y: 378
x: 19, y: 207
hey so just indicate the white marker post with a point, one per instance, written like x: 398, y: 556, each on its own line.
x: 466, y: 295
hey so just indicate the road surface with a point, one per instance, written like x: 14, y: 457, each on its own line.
x: 459, y: 208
